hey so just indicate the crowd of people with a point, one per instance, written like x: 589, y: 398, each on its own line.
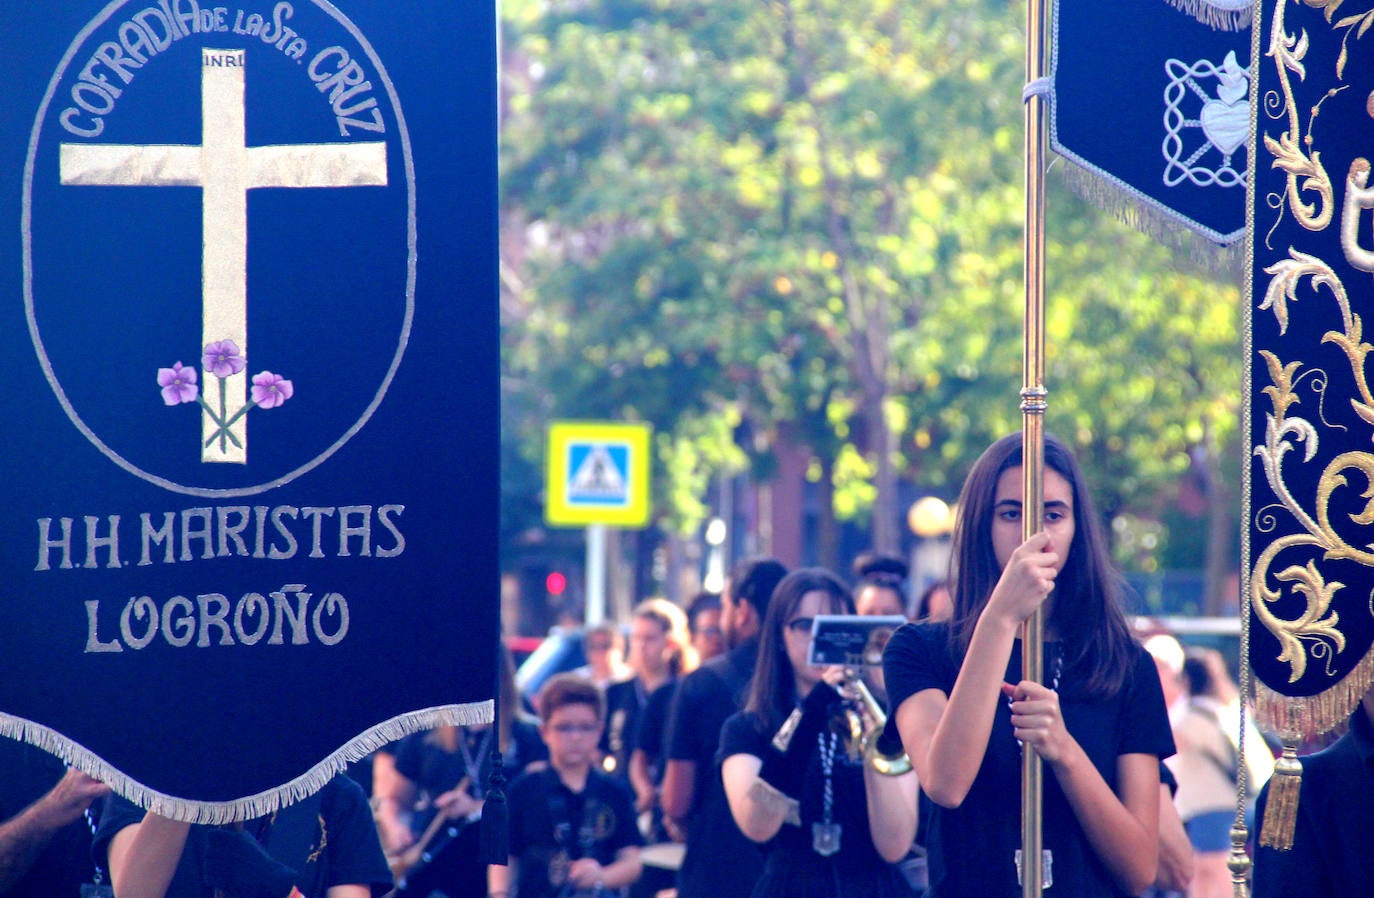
x: 710, y: 727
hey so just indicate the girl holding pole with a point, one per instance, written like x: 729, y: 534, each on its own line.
x: 965, y: 715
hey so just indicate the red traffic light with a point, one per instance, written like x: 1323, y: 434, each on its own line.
x: 555, y: 583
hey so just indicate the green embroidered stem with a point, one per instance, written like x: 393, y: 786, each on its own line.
x: 223, y: 406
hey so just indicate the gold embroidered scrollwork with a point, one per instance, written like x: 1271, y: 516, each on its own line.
x: 1317, y: 625
x: 1314, y: 633
x: 1333, y: 479
x: 1305, y: 173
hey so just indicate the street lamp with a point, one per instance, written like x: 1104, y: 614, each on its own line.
x: 715, y: 558
x: 932, y: 520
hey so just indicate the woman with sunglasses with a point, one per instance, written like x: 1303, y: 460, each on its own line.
x: 965, y: 715
x: 833, y: 813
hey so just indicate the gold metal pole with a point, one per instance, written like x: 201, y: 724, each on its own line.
x: 1033, y: 404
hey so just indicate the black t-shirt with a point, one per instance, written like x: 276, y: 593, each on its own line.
x: 653, y: 727
x: 434, y: 770
x: 551, y: 825
x: 705, y: 699
x: 1331, y: 838
x: 793, y: 862
x: 329, y: 839
x: 972, y: 847
x: 26, y: 775
x: 624, y: 705
x: 452, y: 862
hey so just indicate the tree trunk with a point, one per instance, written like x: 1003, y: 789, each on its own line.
x: 884, y: 530
x: 1219, y: 564
x: 827, y: 533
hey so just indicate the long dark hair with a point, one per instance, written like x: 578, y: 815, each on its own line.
x: 1087, y: 613
x: 772, y: 692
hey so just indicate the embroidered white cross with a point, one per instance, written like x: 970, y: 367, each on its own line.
x: 225, y: 169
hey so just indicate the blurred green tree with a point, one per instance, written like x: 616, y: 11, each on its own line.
x: 805, y: 216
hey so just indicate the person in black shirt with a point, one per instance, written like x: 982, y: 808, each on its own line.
x: 660, y: 652
x: 572, y: 827
x: 323, y: 846
x: 834, y: 814
x: 693, y: 798
x: 1330, y: 853
x: 429, y: 809
x: 703, y: 620
x: 1098, y: 721
x: 45, y: 836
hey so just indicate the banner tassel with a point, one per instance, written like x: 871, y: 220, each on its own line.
x: 1239, y: 861
x: 494, y: 838
x: 493, y: 843
x: 1281, y: 813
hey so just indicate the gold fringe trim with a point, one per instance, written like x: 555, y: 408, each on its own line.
x: 259, y: 805
x: 1281, y: 812
x: 1217, y: 18
x: 775, y: 800
x: 1313, y: 715
x: 1220, y: 254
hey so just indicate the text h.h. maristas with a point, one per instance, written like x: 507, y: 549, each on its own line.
x: 257, y: 531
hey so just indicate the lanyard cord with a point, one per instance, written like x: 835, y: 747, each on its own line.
x: 472, y: 763
x: 827, y: 771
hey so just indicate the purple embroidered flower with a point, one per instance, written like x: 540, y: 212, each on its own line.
x: 223, y: 359
x: 270, y: 390
x: 178, y: 384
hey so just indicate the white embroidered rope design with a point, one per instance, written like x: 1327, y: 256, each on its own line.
x: 1222, y: 121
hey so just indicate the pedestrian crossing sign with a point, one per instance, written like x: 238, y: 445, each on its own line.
x: 598, y: 473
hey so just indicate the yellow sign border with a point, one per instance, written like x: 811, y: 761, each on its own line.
x: 559, y: 511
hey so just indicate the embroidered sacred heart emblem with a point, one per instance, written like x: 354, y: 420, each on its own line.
x: 1225, y: 125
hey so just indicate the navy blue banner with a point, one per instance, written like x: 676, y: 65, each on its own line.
x: 1153, y: 102
x: 1309, y: 404
x: 250, y: 358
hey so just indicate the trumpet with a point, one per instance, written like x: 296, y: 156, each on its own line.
x: 865, y: 720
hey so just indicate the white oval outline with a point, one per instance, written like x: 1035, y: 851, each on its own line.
x: 26, y: 222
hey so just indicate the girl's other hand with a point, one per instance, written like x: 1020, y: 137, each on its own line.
x: 1037, y: 720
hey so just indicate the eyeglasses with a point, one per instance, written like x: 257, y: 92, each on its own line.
x: 598, y: 646
x: 800, y: 624
x: 710, y: 631
x: 575, y: 729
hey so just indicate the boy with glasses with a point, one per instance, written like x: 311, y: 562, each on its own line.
x: 572, y: 828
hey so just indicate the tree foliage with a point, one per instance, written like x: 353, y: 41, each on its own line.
x: 804, y: 216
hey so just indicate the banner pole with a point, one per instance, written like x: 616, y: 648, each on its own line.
x: 1033, y: 405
